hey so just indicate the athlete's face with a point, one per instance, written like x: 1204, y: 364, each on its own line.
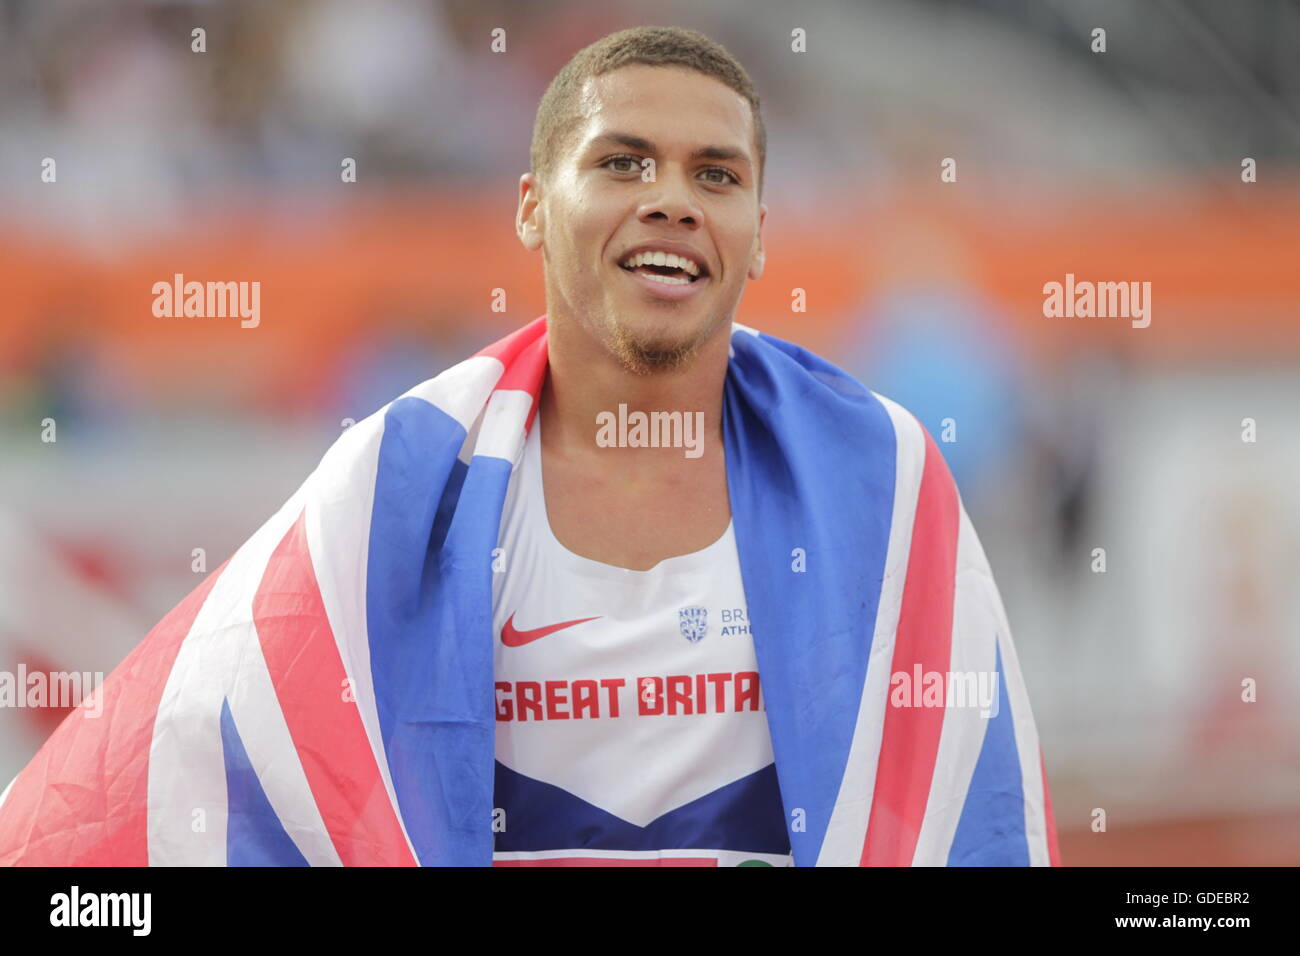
x: 662, y: 160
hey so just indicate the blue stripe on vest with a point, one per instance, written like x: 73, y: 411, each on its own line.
x: 744, y: 815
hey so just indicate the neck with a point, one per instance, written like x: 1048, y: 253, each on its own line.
x: 584, y: 379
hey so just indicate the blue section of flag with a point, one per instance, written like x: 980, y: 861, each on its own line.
x: 254, y: 834
x: 991, y: 831
x: 745, y: 815
x: 428, y: 611
x: 810, y: 468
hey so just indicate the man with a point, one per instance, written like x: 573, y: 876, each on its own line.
x: 634, y: 586
x: 648, y: 219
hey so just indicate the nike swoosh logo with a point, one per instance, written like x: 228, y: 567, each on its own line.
x: 512, y: 638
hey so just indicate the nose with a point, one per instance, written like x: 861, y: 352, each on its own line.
x: 670, y: 199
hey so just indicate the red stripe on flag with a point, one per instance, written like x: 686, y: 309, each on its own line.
x: 327, y: 731
x: 1053, y: 847
x: 524, y: 354
x: 526, y: 374
x: 909, y: 742
x: 507, y: 348
x: 83, y: 799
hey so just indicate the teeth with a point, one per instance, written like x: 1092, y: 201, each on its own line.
x: 656, y: 258
x: 668, y: 280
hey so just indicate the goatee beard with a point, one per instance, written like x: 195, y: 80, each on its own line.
x: 647, y: 357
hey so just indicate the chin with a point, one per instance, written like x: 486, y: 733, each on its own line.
x: 657, y: 344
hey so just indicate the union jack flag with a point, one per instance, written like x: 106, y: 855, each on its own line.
x: 326, y: 695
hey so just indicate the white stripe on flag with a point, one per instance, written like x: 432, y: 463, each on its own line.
x: 462, y: 390
x: 339, y: 506
x: 974, y: 630
x: 502, y: 432
x: 187, y: 771
x: 847, y: 830
x: 260, y: 721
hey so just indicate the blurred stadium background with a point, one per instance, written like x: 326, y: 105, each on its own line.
x: 1072, y: 434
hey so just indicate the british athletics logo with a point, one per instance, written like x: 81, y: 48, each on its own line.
x: 694, y: 623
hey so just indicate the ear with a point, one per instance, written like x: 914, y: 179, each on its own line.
x: 759, y: 258
x: 528, y: 217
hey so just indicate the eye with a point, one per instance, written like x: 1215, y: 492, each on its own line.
x: 727, y: 175
x: 633, y: 163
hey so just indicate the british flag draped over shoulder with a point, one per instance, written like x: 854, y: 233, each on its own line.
x: 326, y: 696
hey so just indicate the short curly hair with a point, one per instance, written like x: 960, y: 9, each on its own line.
x: 557, y: 114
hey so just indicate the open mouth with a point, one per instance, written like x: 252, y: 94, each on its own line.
x: 665, y: 268
x: 668, y: 275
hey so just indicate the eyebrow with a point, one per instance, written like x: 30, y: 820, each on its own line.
x: 724, y: 153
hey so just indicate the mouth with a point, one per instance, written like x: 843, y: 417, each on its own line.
x: 666, y: 275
